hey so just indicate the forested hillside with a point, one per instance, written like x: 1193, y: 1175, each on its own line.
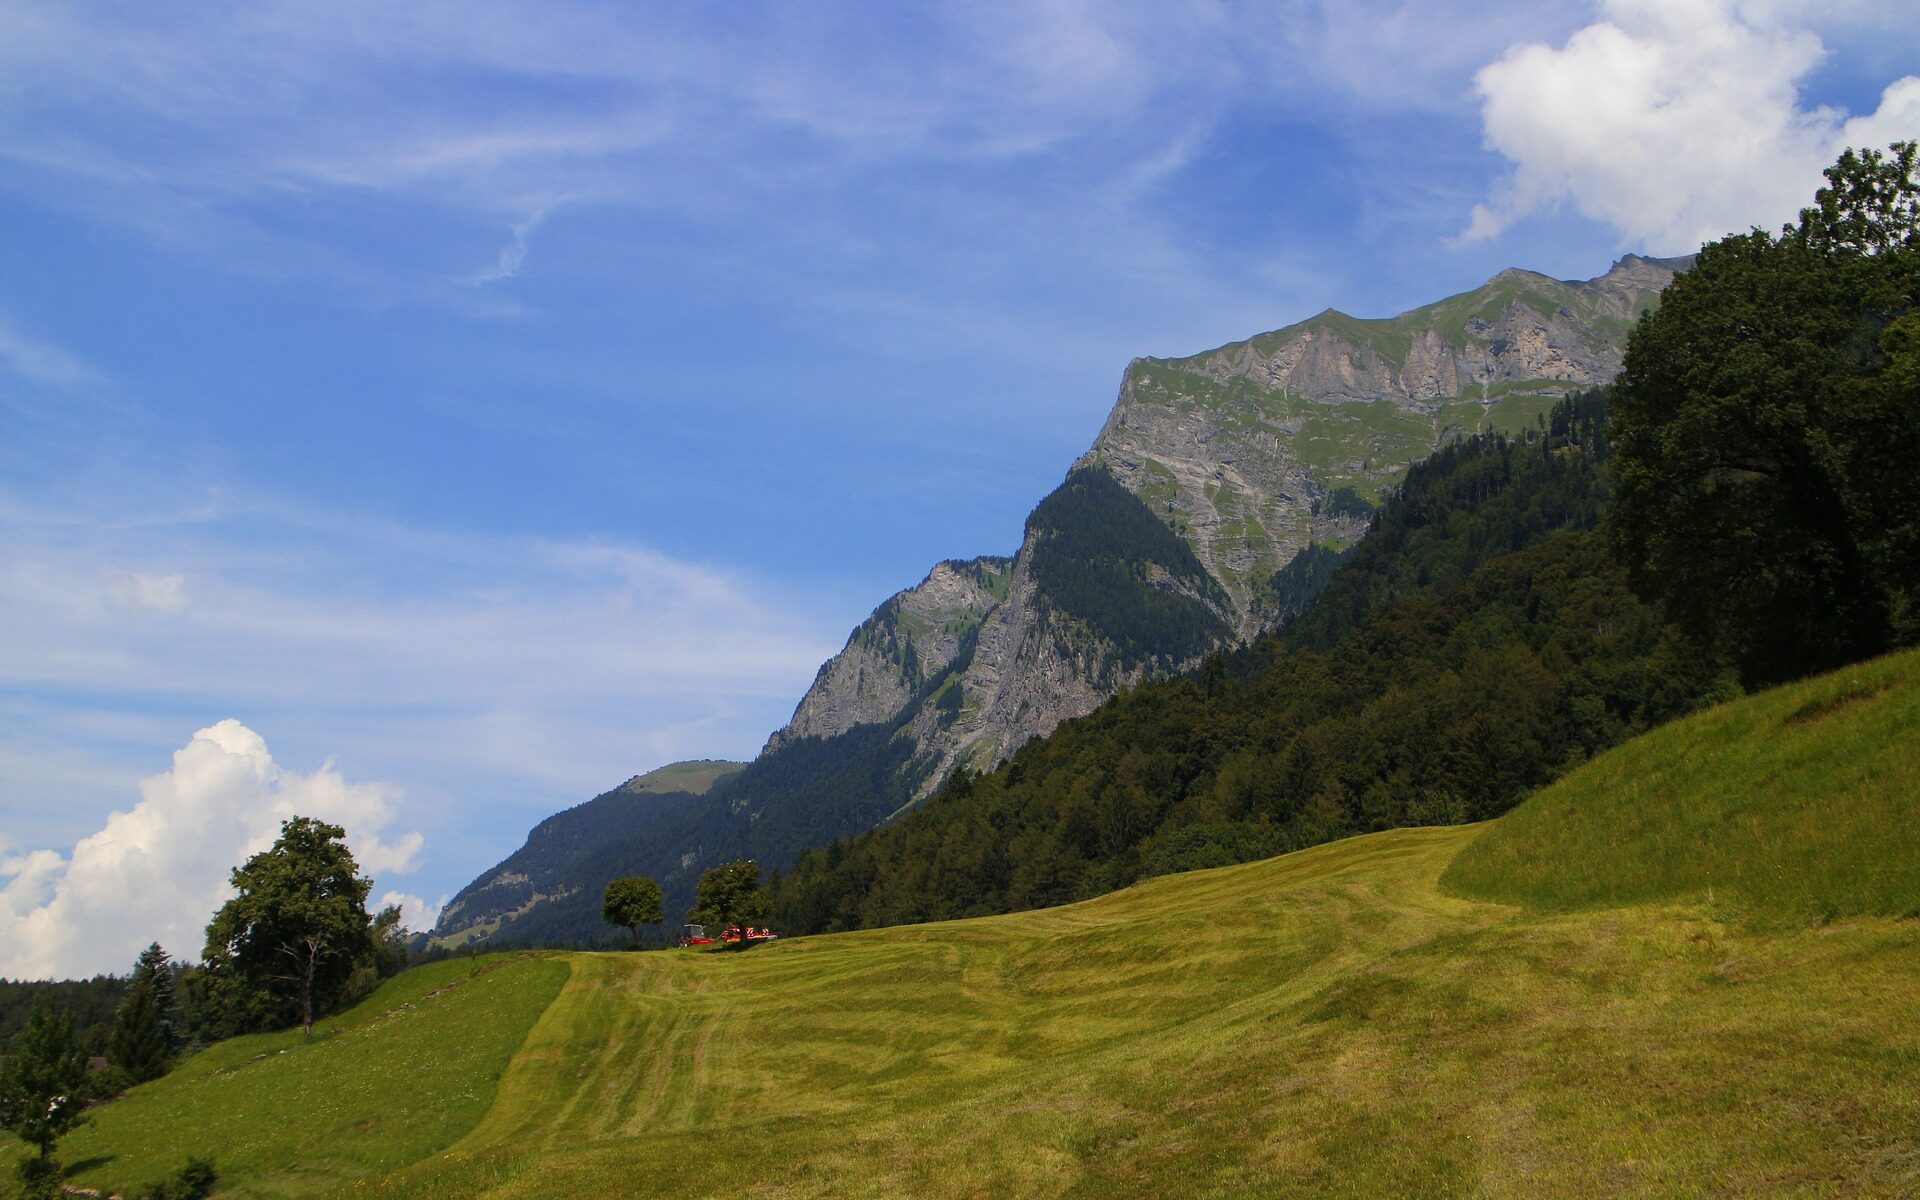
x: 1477, y: 644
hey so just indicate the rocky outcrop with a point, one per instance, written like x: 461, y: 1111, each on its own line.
x: 1030, y: 669
x: 1240, y: 448
x: 911, y: 638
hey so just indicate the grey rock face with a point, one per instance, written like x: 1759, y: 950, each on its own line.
x: 1027, y: 673
x: 1239, y: 447
x: 908, y: 640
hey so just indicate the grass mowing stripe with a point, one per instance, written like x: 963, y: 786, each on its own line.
x: 1327, y: 1023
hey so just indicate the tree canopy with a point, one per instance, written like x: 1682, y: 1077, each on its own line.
x: 42, y: 1082
x: 633, y: 901
x: 287, y: 945
x: 1767, y: 425
x: 731, y: 895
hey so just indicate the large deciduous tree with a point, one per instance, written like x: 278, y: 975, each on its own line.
x: 1766, y: 427
x: 731, y: 895
x: 291, y: 938
x: 633, y: 901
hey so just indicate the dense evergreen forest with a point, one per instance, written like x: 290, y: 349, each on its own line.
x: 1478, y: 643
x: 90, y: 1002
x: 1096, y: 548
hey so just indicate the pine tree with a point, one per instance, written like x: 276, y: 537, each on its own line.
x: 138, y: 1045
x: 156, y: 966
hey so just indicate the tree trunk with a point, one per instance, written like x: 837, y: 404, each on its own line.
x: 306, y: 989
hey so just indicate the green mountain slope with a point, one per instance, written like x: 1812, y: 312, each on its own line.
x: 546, y: 871
x: 1803, y: 801
x: 1331, y: 1022
x: 696, y: 776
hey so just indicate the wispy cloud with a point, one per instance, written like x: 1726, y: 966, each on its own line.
x: 45, y: 364
x: 513, y: 255
x: 207, y: 129
x: 481, y: 674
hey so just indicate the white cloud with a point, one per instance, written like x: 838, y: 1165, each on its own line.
x: 158, y: 871
x: 1673, y: 121
x: 415, y: 913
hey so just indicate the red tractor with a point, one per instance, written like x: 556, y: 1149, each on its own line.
x: 695, y: 935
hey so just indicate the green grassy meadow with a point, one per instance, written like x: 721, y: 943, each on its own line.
x: 1334, y: 1022
x: 1801, y: 802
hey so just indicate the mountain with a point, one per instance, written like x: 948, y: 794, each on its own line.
x: 1248, y: 453
x: 1208, y: 509
x: 546, y: 867
x: 1476, y: 644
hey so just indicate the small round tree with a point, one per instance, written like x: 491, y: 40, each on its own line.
x: 731, y: 895
x: 633, y: 901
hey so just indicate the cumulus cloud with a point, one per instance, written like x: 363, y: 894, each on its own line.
x: 1673, y: 121
x: 415, y: 912
x: 158, y: 871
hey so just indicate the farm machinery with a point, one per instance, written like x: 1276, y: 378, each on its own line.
x: 697, y: 935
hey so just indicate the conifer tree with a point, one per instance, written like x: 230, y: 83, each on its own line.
x: 42, y: 1092
x: 147, y: 1033
x: 137, y: 1046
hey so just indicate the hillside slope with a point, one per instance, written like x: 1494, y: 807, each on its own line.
x: 558, y: 860
x: 401, y: 1075
x: 1803, y: 801
x: 1331, y: 1022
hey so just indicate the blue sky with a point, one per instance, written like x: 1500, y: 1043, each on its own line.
x: 482, y: 403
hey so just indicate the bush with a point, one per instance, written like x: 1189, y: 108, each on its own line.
x: 192, y: 1182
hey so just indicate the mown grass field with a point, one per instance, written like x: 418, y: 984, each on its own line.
x: 1804, y: 801
x: 396, y: 1077
x: 1329, y: 1023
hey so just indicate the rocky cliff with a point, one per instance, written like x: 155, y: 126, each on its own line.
x: 911, y: 638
